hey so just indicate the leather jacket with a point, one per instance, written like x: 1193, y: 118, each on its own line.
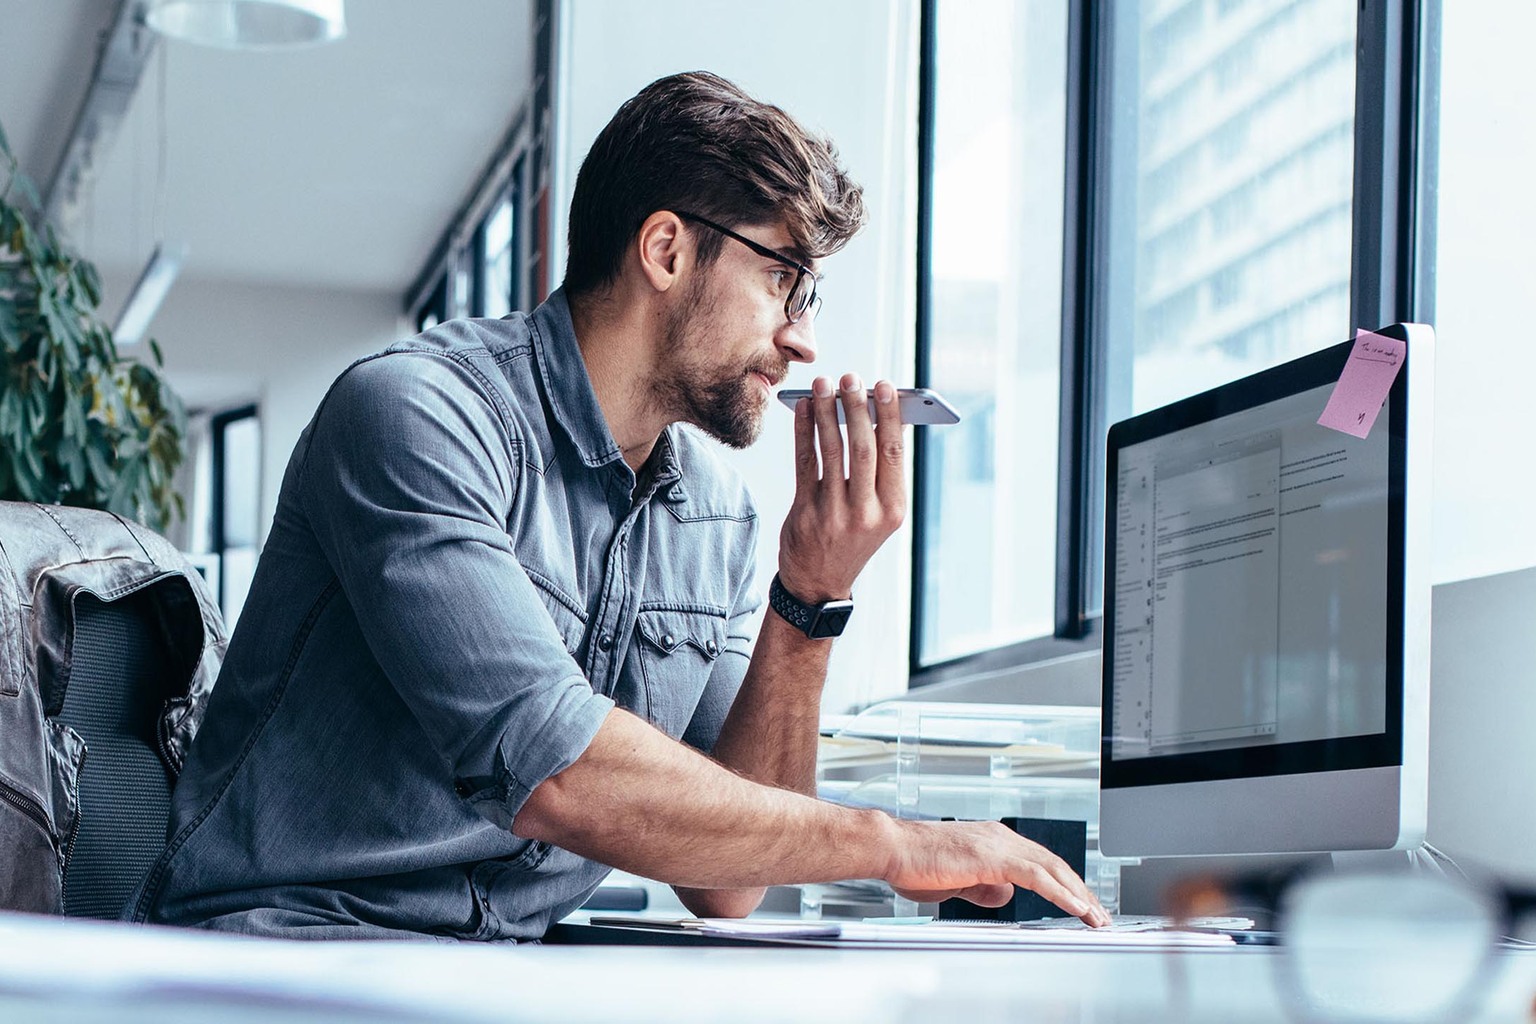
x: 48, y: 555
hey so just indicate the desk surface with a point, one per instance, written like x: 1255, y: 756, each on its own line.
x: 90, y: 971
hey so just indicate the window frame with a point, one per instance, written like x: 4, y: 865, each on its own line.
x: 1391, y: 274
x: 461, y: 249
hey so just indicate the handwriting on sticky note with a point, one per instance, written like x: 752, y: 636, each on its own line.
x: 1363, y: 386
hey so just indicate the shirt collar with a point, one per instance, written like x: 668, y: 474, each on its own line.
x: 571, y: 398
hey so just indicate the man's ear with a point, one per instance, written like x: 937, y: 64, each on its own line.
x: 662, y: 249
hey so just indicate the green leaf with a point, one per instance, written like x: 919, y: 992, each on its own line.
x: 92, y: 282
x: 10, y: 412
x: 34, y: 466
x: 10, y: 327
x: 37, y: 412
x: 98, y: 456
x: 121, y: 499
x: 73, y: 461
x: 24, y: 183
x: 154, y: 350
x: 74, y: 417
x: 28, y: 486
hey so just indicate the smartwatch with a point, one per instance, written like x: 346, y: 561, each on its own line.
x: 817, y: 621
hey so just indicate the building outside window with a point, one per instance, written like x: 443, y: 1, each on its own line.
x: 1225, y: 202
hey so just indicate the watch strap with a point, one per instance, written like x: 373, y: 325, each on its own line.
x: 817, y: 621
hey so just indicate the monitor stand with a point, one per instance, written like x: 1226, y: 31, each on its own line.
x: 1423, y: 858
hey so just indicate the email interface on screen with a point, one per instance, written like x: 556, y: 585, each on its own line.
x: 1250, y: 576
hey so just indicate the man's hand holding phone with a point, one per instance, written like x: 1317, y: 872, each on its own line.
x: 839, y: 517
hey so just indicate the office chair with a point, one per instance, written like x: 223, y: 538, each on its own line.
x: 121, y: 640
x: 116, y: 691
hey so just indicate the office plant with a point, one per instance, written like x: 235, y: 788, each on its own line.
x: 79, y: 423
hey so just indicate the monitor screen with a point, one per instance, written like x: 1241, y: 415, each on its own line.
x: 1263, y: 690
x: 1250, y: 583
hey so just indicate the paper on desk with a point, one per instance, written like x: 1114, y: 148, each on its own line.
x: 1003, y: 936
x: 1362, y: 389
x: 937, y: 935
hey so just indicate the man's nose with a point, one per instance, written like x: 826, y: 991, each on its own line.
x: 797, y: 342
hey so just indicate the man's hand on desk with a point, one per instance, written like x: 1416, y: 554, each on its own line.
x: 982, y: 861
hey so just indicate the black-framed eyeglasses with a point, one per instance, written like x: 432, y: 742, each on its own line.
x: 802, y: 296
x: 1372, y: 945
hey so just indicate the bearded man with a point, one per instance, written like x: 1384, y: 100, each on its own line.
x: 500, y: 639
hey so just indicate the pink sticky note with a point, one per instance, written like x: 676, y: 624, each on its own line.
x: 1362, y: 388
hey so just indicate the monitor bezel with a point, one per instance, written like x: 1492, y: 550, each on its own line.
x: 1347, y: 753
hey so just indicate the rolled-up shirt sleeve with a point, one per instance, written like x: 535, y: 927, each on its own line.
x: 408, y: 481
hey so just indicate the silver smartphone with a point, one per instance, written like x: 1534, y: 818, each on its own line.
x: 918, y: 405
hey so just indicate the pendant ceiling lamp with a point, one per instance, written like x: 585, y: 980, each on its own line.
x: 249, y: 24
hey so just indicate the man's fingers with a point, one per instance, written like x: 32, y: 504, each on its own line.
x: 1062, y: 874
x: 1037, y: 878
x: 829, y: 437
x: 890, y: 447
x: 806, y: 473
x: 861, y: 438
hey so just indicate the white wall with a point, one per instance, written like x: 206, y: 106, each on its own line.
x: 1484, y: 487
x: 848, y: 69
x: 227, y: 344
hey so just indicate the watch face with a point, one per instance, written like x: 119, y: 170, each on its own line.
x: 831, y: 619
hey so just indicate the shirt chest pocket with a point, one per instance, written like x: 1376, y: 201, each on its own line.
x: 677, y: 654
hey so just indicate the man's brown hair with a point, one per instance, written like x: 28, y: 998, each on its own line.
x: 697, y: 142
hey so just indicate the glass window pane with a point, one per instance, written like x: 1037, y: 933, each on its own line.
x: 435, y: 310
x: 241, y: 505
x: 497, y: 260
x: 995, y: 334
x: 1232, y: 171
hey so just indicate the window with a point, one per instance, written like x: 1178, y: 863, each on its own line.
x: 236, y: 505
x: 987, y: 546
x: 435, y: 309
x: 497, y: 280
x: 480, y: 267
x: 1122, y: 205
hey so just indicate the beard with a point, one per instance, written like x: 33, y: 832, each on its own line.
x: 726, y: 404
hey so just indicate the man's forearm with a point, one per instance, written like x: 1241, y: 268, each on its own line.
x: 639, y: 801
x: 770, y: 734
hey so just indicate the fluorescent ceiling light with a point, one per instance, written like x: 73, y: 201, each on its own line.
x: 249, y: 24
x: 149, y: 291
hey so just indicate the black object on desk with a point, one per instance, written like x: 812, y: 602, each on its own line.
x: 1066, y: 839
x: 617, y: 897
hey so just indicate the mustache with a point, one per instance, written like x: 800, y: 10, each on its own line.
x: 775, y: 372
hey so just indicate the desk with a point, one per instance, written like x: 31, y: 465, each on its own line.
x: 56, y: 969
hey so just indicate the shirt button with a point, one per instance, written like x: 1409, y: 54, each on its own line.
x: 712, y: 647
x: 605, y: 642
x: 669, y: 641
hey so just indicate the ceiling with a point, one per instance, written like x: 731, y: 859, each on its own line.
x: 337, y: 166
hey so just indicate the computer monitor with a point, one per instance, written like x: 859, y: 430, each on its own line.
x: 1266, y: 619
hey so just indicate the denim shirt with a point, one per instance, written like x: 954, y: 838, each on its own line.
x: 462, y: 578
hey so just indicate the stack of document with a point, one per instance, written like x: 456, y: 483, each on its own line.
x: 875, y: 934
